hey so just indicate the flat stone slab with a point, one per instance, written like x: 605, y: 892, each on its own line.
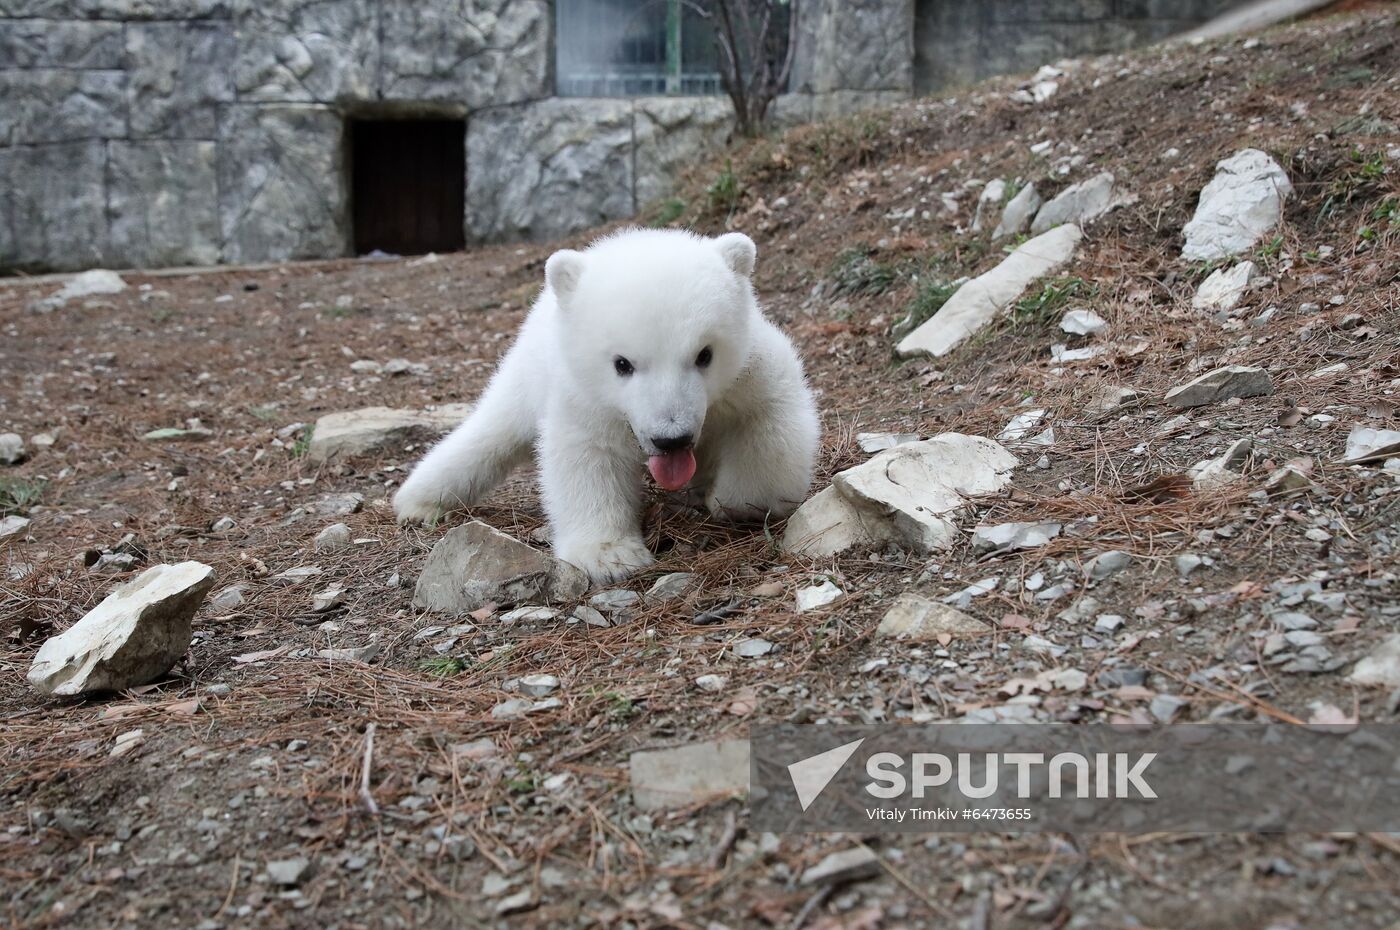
x: 1019, y: 212
x: 905, y: 494
x: 356, y: 432
x: 133, y: 637
x: 917, y: 618
x: 1079, y: 203
x: 1242, y: 203
x: 475, y: 565
x: 13, y: 527
x: 987, y: 296
x: 1366, y: 444
x: 1222, y: 384
x: 1381, y: 668
x: 1225, y: 287
x: 1013, y: 536
x: 665, y: 779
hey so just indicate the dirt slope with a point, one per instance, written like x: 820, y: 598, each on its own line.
x: 860, y: 224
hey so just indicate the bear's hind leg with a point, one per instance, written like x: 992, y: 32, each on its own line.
x: 764, y: 467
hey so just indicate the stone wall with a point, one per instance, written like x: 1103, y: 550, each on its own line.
x: 166, y: 132
x: 169, y: 132
x: 958, y: 43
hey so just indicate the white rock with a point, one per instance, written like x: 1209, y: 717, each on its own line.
x: 827, y: 523
x: 1106, y: 564
x: 879, y: 442
x: 1019, y: 212
x: 1223, y: 471
x: 1242, y: 203
x: 906, y: 494
x: 327, y: 599
x: 1221, y: 384
x: 356, y: 432
x: 228, y: 598
x: 988, y: 296
x: 1082, y: 322
x: 338, y: 505
x: 13, y: 527
x: 12, y: 450
x: 475, y: 564
x: 1381, y: 667
x: 133, y: 637
x: 751, y: 648
x: 671, y: 586
x: 528, y: 615
x: 665, y: 779
x: 817, y: 596
x: 1366, y: 444
x: 288, y: 872
x: 590, y: 616
x: 1014, y: 536
x: 1078, y: 204
x: 918, y: 618
x: 615, y: 599
x: 1021, y: 425
x: 1188, y: 563
x: 987, y: 201
x: 711, y: 683
x: 88, y: 284
x: 353, y: 654
x: 1225, y: 287
x: 537, y: 686
x: 1109, y: 398
x: 332, y: 539
x: 125, y: 742
x: 1060, y: 352
x: 295, y: 575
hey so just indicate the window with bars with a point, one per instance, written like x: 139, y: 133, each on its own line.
x: 624, y: 48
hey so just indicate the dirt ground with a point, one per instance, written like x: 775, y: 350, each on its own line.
x: 253, y: 750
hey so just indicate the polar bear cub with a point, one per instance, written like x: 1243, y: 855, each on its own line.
x: 648, y: 347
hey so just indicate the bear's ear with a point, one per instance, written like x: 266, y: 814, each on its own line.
x: 738, y: 252
x: 562, y: 272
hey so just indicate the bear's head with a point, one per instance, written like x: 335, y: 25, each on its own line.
x: 656, y: 326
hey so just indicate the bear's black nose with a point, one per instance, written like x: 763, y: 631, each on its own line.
x: 672, y: 443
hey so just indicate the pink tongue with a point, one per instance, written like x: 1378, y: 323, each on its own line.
x: 673, y: 470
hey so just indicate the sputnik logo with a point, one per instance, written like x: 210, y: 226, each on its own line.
x: 811, y: 775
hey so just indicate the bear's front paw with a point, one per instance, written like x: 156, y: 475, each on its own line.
x: 412, y: 505
x: 607, y: 562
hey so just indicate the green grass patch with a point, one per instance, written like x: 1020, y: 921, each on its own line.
x: 855, y: 273
x: 17, y: 495
x: 1044, y: 308
x: 929, y: 299
x: 299, y: 448
x: 444, y: 666
x: 667, y: 212
x: 725, y: 190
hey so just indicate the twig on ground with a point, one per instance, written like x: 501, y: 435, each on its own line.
x: 365, y: 795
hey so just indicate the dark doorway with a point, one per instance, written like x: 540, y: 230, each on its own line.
x: 408, y: 185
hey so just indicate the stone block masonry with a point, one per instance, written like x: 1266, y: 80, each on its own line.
x: 147, y: 133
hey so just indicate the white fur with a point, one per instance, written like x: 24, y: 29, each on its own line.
x: 657, y: 298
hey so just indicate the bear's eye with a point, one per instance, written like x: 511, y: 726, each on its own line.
x: 622, y: 366
x: 703, y: 359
